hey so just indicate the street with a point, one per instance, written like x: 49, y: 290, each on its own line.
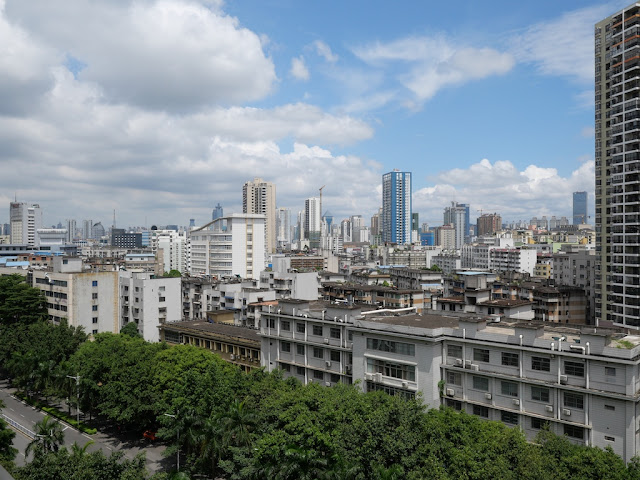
x: 27, y: 416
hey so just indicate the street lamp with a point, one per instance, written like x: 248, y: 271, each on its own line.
x: 175, y: 418
x: 77, y: 379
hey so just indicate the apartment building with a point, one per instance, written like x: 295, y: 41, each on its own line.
x: 581, y: 382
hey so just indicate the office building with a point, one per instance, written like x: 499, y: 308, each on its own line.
x: 396, y: 207
x: 217, y: 212
x: 488, y: 224
x: 87, y: 226
x: 580, y: 208
x: 25, y: 219
x: 259, y: 196
x: 283, y: 226
x: 457, y: 215
x: 312, y: 221
x: 617, y: 167
x: 71, y: 230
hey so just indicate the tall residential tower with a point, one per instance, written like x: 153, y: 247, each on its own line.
x: 259, y: 196
x: 580, y: 208
x: 617, y: 168
x: 396, y: 207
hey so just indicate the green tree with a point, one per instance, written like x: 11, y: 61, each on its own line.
x: 20, y: 303
x: 49, y: 438
x: 130, y: 329
x: 7, y: 452
x: 172, y: 273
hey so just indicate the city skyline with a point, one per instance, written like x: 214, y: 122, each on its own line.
x: 477, y: 103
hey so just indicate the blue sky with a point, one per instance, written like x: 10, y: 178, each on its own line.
x: 161, y: 109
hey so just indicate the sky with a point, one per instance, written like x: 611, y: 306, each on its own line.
x: 159, y: 110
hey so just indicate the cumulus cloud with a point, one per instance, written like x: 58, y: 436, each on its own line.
x: 429, y: 64
x: 562, y: 46
x: 298, y: 69
x: 165, y: 54
x: 324, y: 51
x: 501, y: 187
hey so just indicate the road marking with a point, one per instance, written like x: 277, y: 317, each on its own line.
x: 11, y: 409
x: 65, y: 428
x: 85, y: 435
x: 109, y: 447
x: 22, y: 416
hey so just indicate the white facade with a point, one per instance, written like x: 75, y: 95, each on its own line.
x: 234, y: 246
x: 259, y: 196
x: 149, y: 301
x: 283, y: 226
x: 51, y: 237
x: 25, y: 220
x: 170, y: 248
x: 513, y: 259
x: 312, y: 217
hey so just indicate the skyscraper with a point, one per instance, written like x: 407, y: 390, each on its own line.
x: 283, y: 226
x: 458, y: 216
x: 488, y: 223
x: 259, y: 196
x: 86, y: 229
x: 25, y: 219
x: 396, y: 207
x: 580, y: 208
x: 312, y: 221
x: 217, y: 212
x: 617, y: 166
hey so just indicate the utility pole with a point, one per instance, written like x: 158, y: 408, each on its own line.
x: 77, y: 379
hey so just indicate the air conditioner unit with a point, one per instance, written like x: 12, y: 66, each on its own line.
x: 474, y: 367
x: 326, y: 341
x: 549, y: 408
x: 563, y: 379
x: 232, y: 356
x: 516, y: 401
x: 327, y: 384
x: 450, y: 392
x: 458, y: 361
x: 566, y: 411
x: 377, y: 377
x: 467, y: 362
x: 405, y: 384
x: 328, y: 364
x: 487, y: 396
x: 368, y: 376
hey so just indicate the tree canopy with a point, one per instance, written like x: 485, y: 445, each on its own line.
x: 19, y: 302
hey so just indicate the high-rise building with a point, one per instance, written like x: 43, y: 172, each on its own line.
x: 71, y: 230
x: 259, y: 196
x: 217, y: 212
x: 617, y: 163
x: 283, y: 226
x: 86, y: 229
x: 580, y: 208
x: 25, y: 219
x: 458, y: 216
x: 489, y: 223
x: 396, y: 207
x: 312, y: 221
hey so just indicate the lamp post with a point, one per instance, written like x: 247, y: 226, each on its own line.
x: 77, y: 379
x: 175, y: 417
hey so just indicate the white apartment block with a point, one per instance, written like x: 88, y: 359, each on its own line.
x: 447, y: 262
x: 582, y: 383
x: 170, y: 248
x: 25, y: 220
x: 513, y: 259
x: 148, y: 301
x: 86, y: 299
x: 259, y: 197
x: 234, y: 246
x: 51, y: 238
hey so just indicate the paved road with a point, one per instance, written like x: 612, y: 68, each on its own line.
x: 27, y: 416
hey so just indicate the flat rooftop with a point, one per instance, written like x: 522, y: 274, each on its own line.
x: 203, y: 326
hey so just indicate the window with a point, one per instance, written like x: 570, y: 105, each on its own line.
x: 318, y: 352
x: 391, y: 369
x: 286, y: 367
x: 161, y: 299
x: 574, y: 400
x: 318, y: 375
x: 94, y: 319
x: 454, y: 351
x: 335, y: 333
x: 95, y: 332
x: 542, y: 364
x: 317, y: 330
x: 94, y: 308
x: 94, y: 296
x: 480, y: 355
x: 509, y: 388
x: 610, y: 371
x: 510, y: 359
x: 540, y: 394
x: 300, y: 327
x: 574, y: 431
x: 335, y: 356
x: 300, y: 349
x: 285, y: 325
x: 335, y: 378
x: 481, y: 411
x: 455, y: 404
x: 611, y: 408
x: 574, y: 368
x: 285, y: 347
x: 509, y: 417
x: 609, y: 439
x: 94, y: 283
x: 300, y: 370
x: 537, y: 423
x: 454, y: 378
x: 481, y: 383
x: 271, y: 322
x: 392, y: 347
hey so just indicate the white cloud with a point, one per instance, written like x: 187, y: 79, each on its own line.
x: 325, y: 51
x: 563, y: 46
x: 165, y: 54
x: 298, y: 69
x: 433, y: 63
x: 500, y: 187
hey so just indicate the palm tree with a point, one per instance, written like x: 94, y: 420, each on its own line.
x: 49, y: 437
x: 78, y: 451
x: 237, y: 424
x: 211, y: 445
x: 301, y: 464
